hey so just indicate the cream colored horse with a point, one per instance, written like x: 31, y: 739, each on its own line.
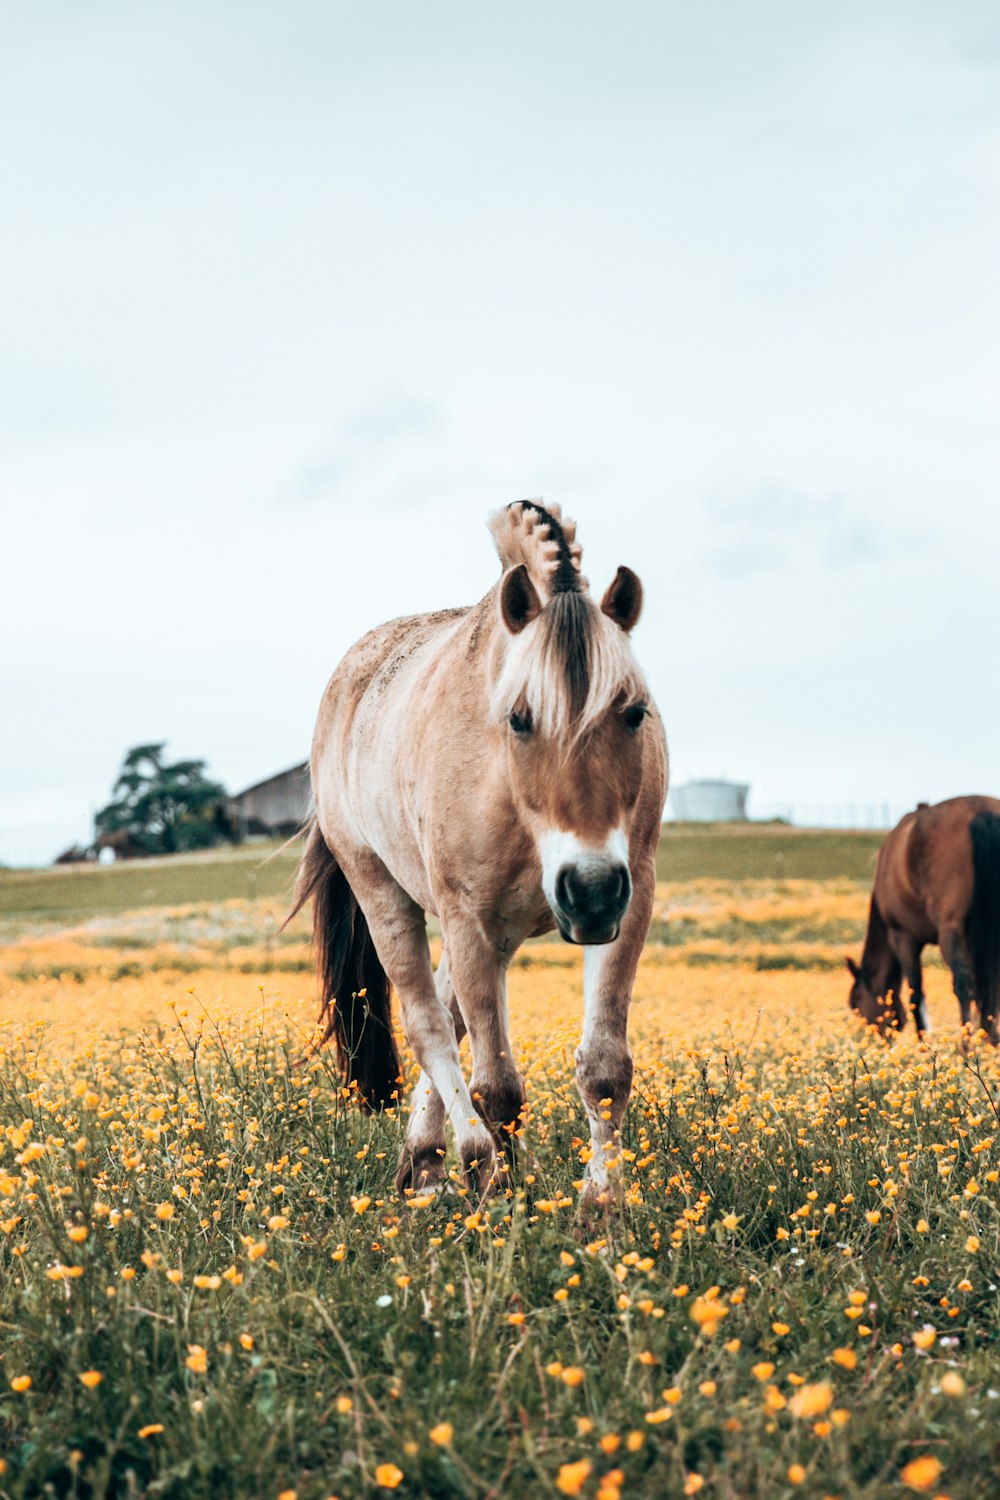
x: 503, y: 767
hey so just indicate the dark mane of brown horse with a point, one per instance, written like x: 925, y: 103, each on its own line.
x: 879, y: 965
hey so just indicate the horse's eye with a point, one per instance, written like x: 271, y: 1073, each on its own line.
x: 634, y: 715
x: 520, y: 723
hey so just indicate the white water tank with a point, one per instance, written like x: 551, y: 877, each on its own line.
x: 709, y: 802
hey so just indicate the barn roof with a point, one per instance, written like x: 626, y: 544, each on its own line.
x: 297, y: 770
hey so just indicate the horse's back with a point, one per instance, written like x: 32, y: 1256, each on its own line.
x: 374, y: 663
x: 927, y: 863
x: 370, y: 718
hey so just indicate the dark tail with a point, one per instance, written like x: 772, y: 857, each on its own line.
x: 983, y: 924
x: 356, y: 999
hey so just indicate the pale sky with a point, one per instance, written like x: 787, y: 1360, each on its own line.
x: 292, y: 295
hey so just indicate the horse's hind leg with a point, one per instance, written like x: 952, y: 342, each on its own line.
x: 955, y: 952
x: 480, y: 987
x: 398, y: 931
x: 421, y: 1161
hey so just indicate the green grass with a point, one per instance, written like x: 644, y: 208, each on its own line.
x: 737, y: 931
x: 752, y: 851
x: 792, y: 1180
x: 78, y: 891
x: 687, y: 852
x: 405, y: 1314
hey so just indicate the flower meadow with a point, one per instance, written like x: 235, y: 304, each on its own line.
x: 210, y: 1287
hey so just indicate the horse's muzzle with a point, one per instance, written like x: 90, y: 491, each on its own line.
x: 591, y: 902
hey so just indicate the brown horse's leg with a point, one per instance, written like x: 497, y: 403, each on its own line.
x: 893, y: 1007
x: 480, y: 986
x: 603, y: 1059
x: 908, y: 952
x: 955, y: 952
x: 398, y: 931
x: 421, y: 1161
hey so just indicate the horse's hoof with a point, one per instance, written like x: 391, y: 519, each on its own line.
x: 422, y: 1170
x: 500, y: 1107
x: 599, y: 1202
x: 513, y: 1157
x: 479, y: 1164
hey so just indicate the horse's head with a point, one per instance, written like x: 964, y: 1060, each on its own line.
x: 576, y: 715
x: 877, y: 1010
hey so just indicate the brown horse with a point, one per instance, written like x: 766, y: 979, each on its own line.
x: 937, y: 881
x: 504, y: 768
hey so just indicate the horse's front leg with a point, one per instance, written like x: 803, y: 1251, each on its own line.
x: 603, y: 1059
x: 908, y: 952
x: 480, y: 980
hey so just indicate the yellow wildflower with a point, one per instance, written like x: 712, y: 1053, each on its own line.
x: 572, y: 1477
x: 922, y: 1473
x: 811, y: 1400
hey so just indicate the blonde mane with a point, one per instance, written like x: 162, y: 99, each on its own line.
x: 571, y: 664
x: 537, y: 536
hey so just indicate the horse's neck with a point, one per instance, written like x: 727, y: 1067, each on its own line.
x: 876, y: 957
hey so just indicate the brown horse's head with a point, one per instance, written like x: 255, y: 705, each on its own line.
x: 877, y: 1010
x: 577, y: 719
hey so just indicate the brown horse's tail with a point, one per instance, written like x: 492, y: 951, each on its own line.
x: 983, y: 926
x: 356, y: 1001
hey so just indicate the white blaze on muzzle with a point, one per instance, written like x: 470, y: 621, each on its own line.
x: 587, y: 886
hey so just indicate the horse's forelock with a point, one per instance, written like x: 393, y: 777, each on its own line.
x: 568, y: 667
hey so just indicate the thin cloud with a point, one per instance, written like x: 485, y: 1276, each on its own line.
x: 366, y: 439
x: 391, y: 414
x: 774, y: 525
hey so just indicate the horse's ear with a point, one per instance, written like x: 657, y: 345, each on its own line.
x: 623, y: 601
x: 853, y: 968
x: 519, y: 601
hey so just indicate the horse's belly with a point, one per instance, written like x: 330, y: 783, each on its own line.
x: 390, y: 838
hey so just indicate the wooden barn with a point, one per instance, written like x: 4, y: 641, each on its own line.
x: 274, y: 808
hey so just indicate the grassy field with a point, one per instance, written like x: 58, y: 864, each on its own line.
x: 687, y: 852
x: 210, y: 1289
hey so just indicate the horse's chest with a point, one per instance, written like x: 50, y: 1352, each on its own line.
x: 517, y: 913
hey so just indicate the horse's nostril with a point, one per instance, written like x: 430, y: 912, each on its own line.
x: 612, y: 890
x: 565, y: 888
x: 593, y: 892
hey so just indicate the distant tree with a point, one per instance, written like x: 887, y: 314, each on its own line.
x: 163, y: 809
